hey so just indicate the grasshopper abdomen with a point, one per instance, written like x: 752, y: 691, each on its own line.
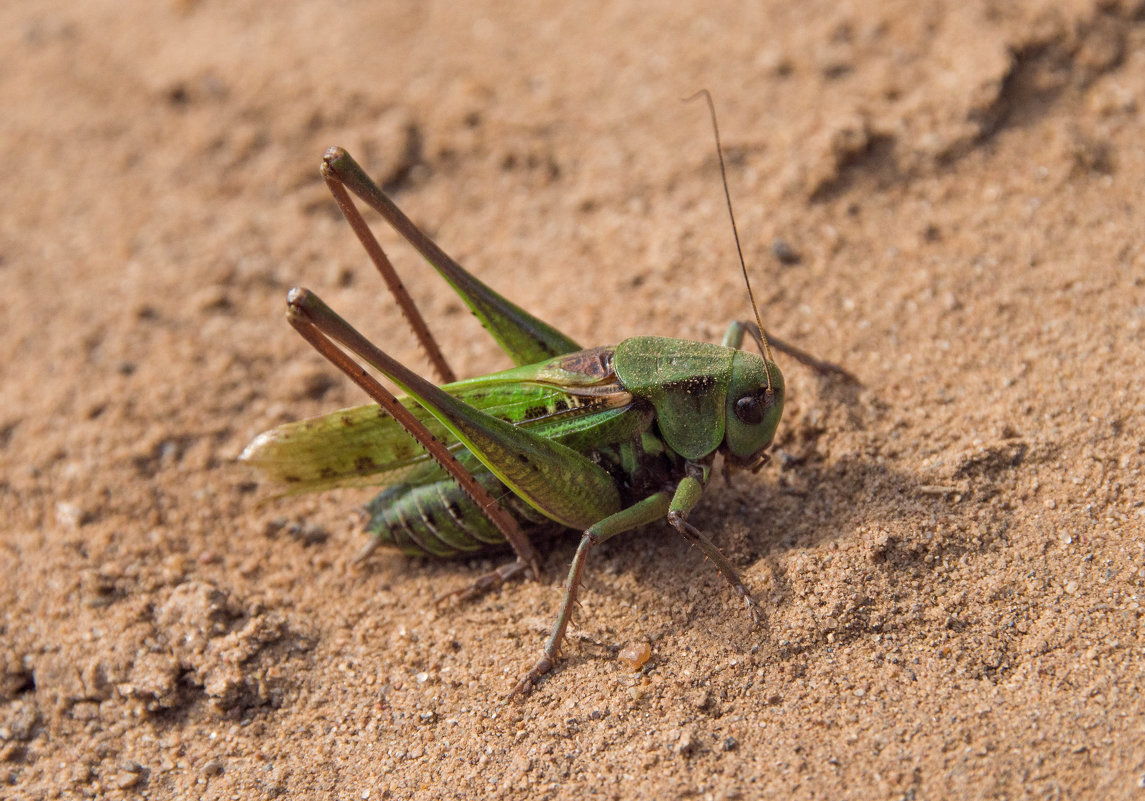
x: 439, y: 519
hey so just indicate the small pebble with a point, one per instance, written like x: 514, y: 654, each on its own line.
x: 782, y: 250
x: 635, y: 654
x: 127, y: 780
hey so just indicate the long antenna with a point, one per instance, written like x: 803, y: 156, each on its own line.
x: 739, y: 250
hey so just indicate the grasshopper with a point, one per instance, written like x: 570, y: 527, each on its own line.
x: 600, y: 440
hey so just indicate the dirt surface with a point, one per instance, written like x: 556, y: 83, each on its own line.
x: 951, y: 557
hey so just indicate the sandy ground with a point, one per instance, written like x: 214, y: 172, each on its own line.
x: 951, y: 556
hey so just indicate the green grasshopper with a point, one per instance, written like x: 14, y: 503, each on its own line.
x: 600, y: 440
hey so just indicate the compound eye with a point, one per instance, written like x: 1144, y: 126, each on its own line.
x: 749, y: 409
